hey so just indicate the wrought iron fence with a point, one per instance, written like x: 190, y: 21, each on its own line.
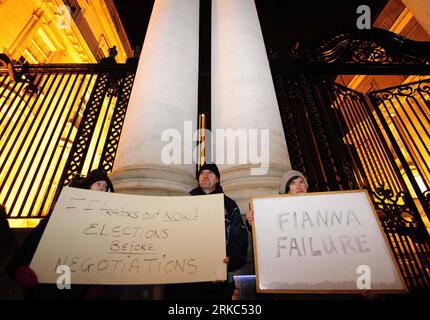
x: 407, y: 237
x: 313, y: 136
x: 343, y: 139
x: 404, y: 113
x: 378, y: 169
x: 339, y: 140
x: 56, y: 122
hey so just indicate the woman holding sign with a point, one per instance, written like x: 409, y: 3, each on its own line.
x: 294, y: 182
x: 19, y: 266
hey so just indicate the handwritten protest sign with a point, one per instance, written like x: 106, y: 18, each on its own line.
x: 321, y: 242
x: 108, y: 238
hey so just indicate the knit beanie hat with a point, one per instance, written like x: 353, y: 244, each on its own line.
x: 209, y: 166
x: 288, y: 178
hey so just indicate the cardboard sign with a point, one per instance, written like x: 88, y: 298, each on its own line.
x: 321, y: 242
x: 108, y: 238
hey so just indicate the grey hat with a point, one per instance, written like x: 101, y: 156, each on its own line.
x: 289, y: 177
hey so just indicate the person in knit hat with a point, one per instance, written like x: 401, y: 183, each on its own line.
x: 236, y: 244
x: 292, y: 182
x: 98, y: 180
x: 19, y: 269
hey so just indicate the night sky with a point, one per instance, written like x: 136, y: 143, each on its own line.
x: 284, y: 25
x: 135, y: 16
x: 283, y: 22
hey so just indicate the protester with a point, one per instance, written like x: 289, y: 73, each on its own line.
x: 292, y: 182
x: 19, y: 266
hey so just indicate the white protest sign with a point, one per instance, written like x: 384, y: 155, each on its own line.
x: 321, y: 242
x: 108, y: 238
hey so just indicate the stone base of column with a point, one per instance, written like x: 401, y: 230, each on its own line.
x: 239, y: 184
x: 153, y: 181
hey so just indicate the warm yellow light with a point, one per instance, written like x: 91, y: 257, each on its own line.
x: 36, y: 143
x: 401, y: 21
x: 23, y: 223
x: 99, y: 137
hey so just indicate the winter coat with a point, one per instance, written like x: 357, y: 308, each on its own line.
x: 236, y: 235
x: 236, y: 246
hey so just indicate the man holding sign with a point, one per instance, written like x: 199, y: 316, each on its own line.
x: 236, y: 242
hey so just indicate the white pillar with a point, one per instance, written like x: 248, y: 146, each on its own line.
x: 164, y: 95
x: 243, y: 96
x: 421, y: 11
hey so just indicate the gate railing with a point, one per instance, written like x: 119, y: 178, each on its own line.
x: 56, y: 122
x: 404, y: 113
x: 407, y: 237
x: 342, y: 139
x: 378, y: 169
x: 337, y: 138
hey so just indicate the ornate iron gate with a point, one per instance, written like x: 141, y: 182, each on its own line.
x: 342, y: 139
x: 377, y: 167
x: 404, y: 113
x: 56, y: 122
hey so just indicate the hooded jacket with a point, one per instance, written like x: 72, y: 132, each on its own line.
x: 94, y: 176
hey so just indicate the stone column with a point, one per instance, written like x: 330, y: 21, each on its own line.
x: 164, y: 96
x: 421, y: 11
x: 244, y: 100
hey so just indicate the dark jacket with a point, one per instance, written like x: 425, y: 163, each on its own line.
x: 236, y: 237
